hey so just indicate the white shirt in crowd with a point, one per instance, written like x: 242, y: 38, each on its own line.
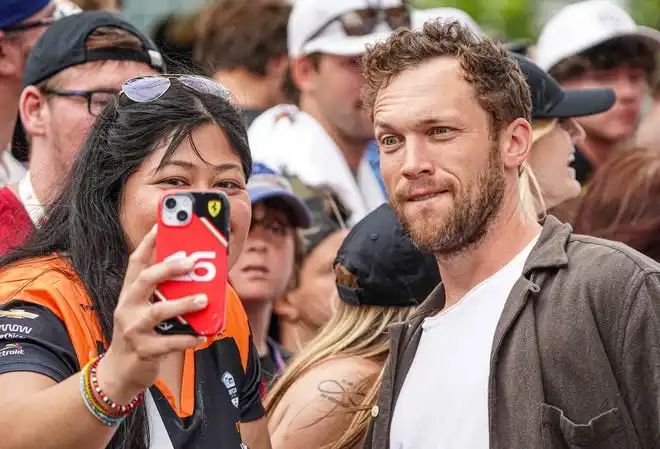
x: 11, y: 171
x: 444, y: 400
x: 293, y: 142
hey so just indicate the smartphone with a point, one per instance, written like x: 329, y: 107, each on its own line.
x: 195, y: 224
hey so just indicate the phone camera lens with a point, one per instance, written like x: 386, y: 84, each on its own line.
x: 170, y: 203
x: 182, y: 215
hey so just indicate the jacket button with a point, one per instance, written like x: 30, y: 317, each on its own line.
x: 374, y: 411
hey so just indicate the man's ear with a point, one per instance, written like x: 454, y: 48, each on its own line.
x: 285, y: 306
x: 516, y: 143
x: 277, y: 66
x: 31, y: 107
x: 304, y: 73
x: 10, y: 53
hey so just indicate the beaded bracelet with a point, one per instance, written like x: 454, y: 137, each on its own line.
x: 90, y: 403
x: 98, y: 403
x: 108, y: 405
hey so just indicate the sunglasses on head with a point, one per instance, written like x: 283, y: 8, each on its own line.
x: 362, y: 22
x: 144, y: 89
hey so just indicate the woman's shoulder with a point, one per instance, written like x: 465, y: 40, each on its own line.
x: 43, y: 268
x: 45, y: 281
x: 321, y: 403
x: 337, y: 376
x: 336, y: 381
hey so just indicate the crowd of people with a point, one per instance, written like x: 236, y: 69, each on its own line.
x: 436, y: 239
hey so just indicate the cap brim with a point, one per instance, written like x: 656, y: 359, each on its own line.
x: 582, y: 102
x: 301, y: 213
x: 519, y: 46
x: 649, y: 35
x: 344, y: 45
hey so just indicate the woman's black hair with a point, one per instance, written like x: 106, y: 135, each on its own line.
x: 83, y: 221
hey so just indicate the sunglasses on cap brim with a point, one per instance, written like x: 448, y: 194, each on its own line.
x: 144, y: 89
x: 361, y: 22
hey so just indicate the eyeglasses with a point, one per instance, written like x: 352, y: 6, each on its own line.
x: 361, y: 22
x: 145, y: 89
x: 96, y: 99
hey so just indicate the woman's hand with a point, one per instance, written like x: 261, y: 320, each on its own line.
x: 132, y: 362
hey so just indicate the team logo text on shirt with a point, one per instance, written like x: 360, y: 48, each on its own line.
x: 18, y: 314
x: 230, y: 384
x: 12, y: 349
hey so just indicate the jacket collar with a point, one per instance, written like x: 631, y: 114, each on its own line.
x: 549, y: 252
x: 550, y: 249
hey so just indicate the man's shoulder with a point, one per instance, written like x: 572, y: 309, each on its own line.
x: 601, y: 278
x: 48, y: 281
x: 283, y: 127
x: 607, y: 259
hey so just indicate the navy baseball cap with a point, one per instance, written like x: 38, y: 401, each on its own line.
x: 267, y: 183
x: 549, y: 100
x: 14, y: 11
x: 378, y: 264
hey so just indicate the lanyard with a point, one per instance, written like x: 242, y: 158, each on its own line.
x: 30, y: 201
x: 277, y: 357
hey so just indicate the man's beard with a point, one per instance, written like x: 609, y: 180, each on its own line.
x: 473, y: 212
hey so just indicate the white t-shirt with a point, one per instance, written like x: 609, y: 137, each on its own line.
x: 444, y: 400
x: 11, y: 171
x: 293, y: 142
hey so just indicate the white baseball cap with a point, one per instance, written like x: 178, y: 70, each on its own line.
x: 311, y: 17
x: 421, y: 16
x: 584, y: 25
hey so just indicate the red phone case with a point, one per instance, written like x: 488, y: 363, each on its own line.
x: 206, y: 237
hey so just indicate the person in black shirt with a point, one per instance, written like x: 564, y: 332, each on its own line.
x: 77, y: 318
x: 266, y: 266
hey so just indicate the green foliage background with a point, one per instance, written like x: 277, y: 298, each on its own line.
x: 515, y: 19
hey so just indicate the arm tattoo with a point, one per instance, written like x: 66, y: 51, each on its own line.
x: 342, y: 393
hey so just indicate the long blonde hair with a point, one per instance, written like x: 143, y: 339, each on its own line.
x: 353, y: 331
x: 531, y: 195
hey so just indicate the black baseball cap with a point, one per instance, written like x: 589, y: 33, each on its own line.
x: 383, y: 265
x: 520, y: 47
x: 549, y: 100
x: 62, y: 45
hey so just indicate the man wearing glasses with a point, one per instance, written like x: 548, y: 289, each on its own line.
x: 324, y: 138
x: 73, y: 71
x: 21, y: 24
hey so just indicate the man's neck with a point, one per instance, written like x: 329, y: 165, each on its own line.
x: 9, y: 95
x: 45, y: 173
x: 259, y: 318
x: 352, y: 149
x: 249, y: 91
x: 509, y: 234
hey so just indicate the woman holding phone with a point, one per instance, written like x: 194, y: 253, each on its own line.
x: 80, y: 362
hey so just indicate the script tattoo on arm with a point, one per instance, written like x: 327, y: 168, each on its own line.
x: 344, y: 393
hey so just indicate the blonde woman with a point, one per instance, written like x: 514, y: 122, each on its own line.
x: 547, y: 179
x: 325, y: 397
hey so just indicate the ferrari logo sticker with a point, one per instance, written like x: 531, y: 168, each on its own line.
x: 214, y: 208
